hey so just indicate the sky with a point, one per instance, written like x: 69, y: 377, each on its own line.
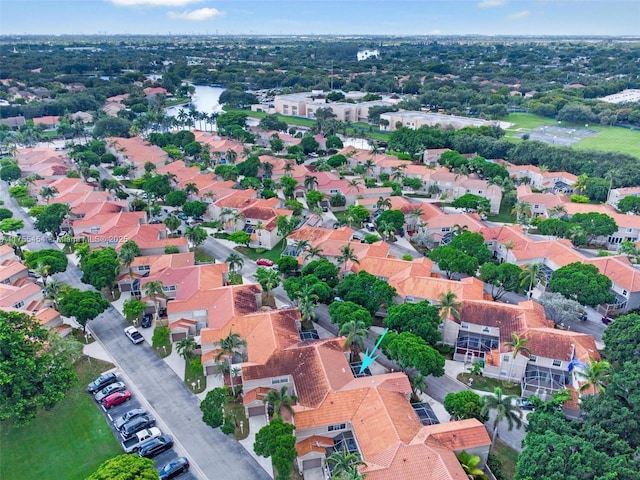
x: 320, y: 17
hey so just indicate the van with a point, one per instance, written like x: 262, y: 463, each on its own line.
x: 370, y: 226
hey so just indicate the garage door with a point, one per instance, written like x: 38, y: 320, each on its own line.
x: 255, y: 411
x: 309, y: 464
x: 211, y: 370
x: 177, y: 336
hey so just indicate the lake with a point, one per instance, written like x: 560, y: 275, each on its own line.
x: 205, y: 99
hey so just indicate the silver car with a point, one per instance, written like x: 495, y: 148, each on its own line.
x: 108, y: 390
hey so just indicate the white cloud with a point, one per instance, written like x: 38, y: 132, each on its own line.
x: 154, y: 3
x: 196, y: 15
x: 435, y: 32
x: 519, y: 15
x: 492, y: 3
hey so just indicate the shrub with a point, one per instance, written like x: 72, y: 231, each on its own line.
x: 170, y: 249
x: 579, y: 199
x: 27, y: 202
x: 235, y: 278
x: 229, y: 425
x: 260, y: 250
x: 161, y: 337
x: 213, y: 407
x: 407, y: 257
x: 495, y: 465
x: 371, y: 238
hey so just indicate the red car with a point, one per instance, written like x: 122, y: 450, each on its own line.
x: 116, y: 399
x: 264, y: 262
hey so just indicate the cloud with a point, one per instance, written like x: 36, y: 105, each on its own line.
x: 519, y: 15
x: 196, y: 15
x: 153, y: 3
x: 435, y: 32
x: 492, y: 3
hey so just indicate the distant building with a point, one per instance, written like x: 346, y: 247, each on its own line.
x: 413, y: 119
x: 366, y: 54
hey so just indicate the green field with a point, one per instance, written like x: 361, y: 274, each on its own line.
x: 608, y: 139
x: 67, y: 442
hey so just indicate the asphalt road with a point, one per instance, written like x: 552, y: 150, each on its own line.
x: 169, y: 399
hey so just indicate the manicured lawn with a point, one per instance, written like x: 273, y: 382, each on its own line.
x: 612, y: 139
x: 203, y: 257
x: 509, y: 458
x: 526, y: 121
x: 489, y: 384
x: 274, y: 254
x: 238, y: 411
x: 193, y: 373
x: 69, y: 441
x: 304, y: 122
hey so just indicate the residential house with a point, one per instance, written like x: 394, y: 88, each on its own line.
x: 432, y: 156
x: 50, y: 122
x: 391, y: 121
x: 138, y: 152
x: 541, y: 203
x: 617, y: 194
x: 45, y: 162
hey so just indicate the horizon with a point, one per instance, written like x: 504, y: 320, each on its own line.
x: 318, y: 18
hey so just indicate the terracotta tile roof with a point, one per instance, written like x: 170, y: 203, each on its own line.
x: 257, y: 394
x: 456, y: 436
x: 98, y: 208
x: 238, y: 200
x: 471, y: 220
x: 11, y: 295
x: 190, y: 279
x: 315, y: 443
x: 559, y: 344
x: 428, y: 287
x: 138, y: 151
x: 388, y: 267
x: 317, y: 235
x: 7, y: 270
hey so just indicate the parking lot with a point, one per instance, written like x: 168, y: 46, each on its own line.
x: 117, y: 411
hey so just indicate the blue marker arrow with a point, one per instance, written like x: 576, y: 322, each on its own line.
x: 369, y: 358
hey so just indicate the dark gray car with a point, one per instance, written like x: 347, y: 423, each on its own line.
x: 136, y: 424
x: 130, y: 415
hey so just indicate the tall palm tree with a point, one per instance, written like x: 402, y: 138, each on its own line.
x: 47, y: 193
x: 307, y: 301
x: 54, y: 289
x: 522, y: 211
x: 172, y: 223
x: 386, y: 229
x: 356, y: 332
x: 505, y: 409
x: 185, y: 347
x: 301, y: 245
x: 313, y: 252
x: 471, y: 466
x: 344, y: 463
x: 310, y: 182
x: 268, y: 279
x: 595, y: 376
x: 190, y: 188
x: 42, y: 269
x: 347, y: 254
x: 278, y: 400
x: 532, y: 274
x: 519, y: 345
x: 288, y: 167
x: 581, y: 183
x: 418, y: 383
x: 383, y: 203
x: 368, y: 166
x: 231, y: 156
x: 557, y: 212
x: 230, y: 346
x: 355, y: 184
x: 128, y: 252
x: 155, y: 291
x: 235, y: 261
x: 449, y: 305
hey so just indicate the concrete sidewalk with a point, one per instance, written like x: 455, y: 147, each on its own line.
x: 255, y: 424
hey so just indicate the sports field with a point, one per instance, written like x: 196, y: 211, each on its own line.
x: 608, y: 139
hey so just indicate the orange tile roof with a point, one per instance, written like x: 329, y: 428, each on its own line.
x: 456, y: 436
x: 428, y: 287
x: 389, y: 267
x: 559, y: 344
x: 315, y: 443
x: 257, y: 394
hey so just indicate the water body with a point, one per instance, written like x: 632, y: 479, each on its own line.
x: 205, y: 99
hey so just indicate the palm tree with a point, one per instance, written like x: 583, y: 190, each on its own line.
x: 307, y: 301
x: 185, y: 347
x: 449, y: 305
x: 47, y: 193
x: 301, y: 245
x: 531, y: 274
x: 356, y: 332
x: 288, y: 167
x: 344, y: 463
x: 43, y: 270
x: 595, y: 376
x: 277, y: 400
x: 471, y: 466
x: 155, y: 291
x: 383, y: 203
x: 190, y: 188
x: 235, y: 261
x: 268, y: 279
x: 522, y: 211
x: 172, y: 223
x: 231, y: 156
x: 313, y: 252
x: 229, y: 347
x: 519, y: 345
x: 505, y: 409
x: 557, y: 212
x: 508, y: 246
x: 347, y: 254
x: 128, y: 252
x: 54, y: 289
x: 310, y: 182
x: 581, y: 183
x: 386, y: 229
x: 418, y: 384
x: 368, y: 166
x: 354, y: 184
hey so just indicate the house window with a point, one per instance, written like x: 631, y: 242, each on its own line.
x: 486, y: 330
x: 409, y: 299
x: 464, y: 325
x: 144, y: 268
x: 536, y: 206
x: 557, y: 363
x: 629, y: 230
x: 169, y: 288
x: 446, y: 229
x: 624, y: 292
x: 505, y: 358
x: 479, y: 192
x: 533, y: 358
x: 337, y: 427
x: 275, y: 381
x: 20, y: 304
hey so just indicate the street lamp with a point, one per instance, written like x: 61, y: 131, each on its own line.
x: 193, y: 386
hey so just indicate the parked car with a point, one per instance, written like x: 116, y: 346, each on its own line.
x: 370, y: 226
x: 156, y: 446
x: 133, y: 426
x: 607, y: 320
x: 116, y: 399
x: 101, y: 382
x: 147, y: 319
x: 174, y: 468
x: 264, y: 262
x: 108, y: 390
x: 155, y: 221
x: 134, y: 335
x: 139, y: 439
x: 182, y: 216
x: 131, y: 414
x: 525, y: 405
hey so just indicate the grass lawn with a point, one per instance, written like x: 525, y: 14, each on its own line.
x: 526, y: 121
x: 274, y: 254
x: 69, y: 441
x: 238, y: 411
x: 489, y: 384
x: 161, y: 341
x: 509, y: 458
x: 203, y: 257
x: 504, y: 216
x: 193, y: 373
x: 303, y: 122
x: 342, y: 217
x: 612, y: 139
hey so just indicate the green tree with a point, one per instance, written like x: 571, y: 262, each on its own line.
x: 100, y: 268
x: 473, y: 244
x: 347, y: 254
x: 595, y: 224
x: 279, y: 400
x: 629, y: 204
x: 449, y: 306
x: 621, y: 339
x: 51, y: 218
x: 395, y: 218
x: 505, y: 408
x: 230, y: 346
x: 133, y: 308
x: 240, y: 237
x: 356, y: 332
x: 366, y: 290
x: 469, y: 202
x: 11, y: 225
x: 212, y: 407
x: 464, y: 404
x: 47, y: 193
x: 471, y: 466
x: 235, y: 261
x: 517, y: 345
x: 343, y: 312
x: 502, y: 278
x: 177, y: 198
x: 185, y: 348
x: 309, y: 144
x: 6, y: 213
x: 33, y: 376
x: 583, y: 283
x: 54, y: 260
x: 453, y: 261
x: 155, y: 291
x: 420, y: 318
x: 129, y: 250
x: 345, y: 464
x: 195, y: 208
x: 82, y: 305
x: 268, y: 279
x: 196, y: 235
x: 323, y: 269
x: 126, y: 467
x: 286, y: 225
x: 287, y: 265
x: 357, y: 213
x: 595, y: 376
x: 276, y: 440
x: 314, y: 198
x: 172, y: 223
x: 411, y: 351
x: 10, y: 172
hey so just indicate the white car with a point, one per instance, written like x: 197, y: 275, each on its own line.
x: 133, y: 334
